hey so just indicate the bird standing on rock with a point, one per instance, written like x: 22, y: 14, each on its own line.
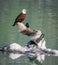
x: 20, y: 17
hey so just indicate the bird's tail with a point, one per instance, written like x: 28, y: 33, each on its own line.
x: 14, y: 24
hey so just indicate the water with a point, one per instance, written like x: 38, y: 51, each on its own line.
x: 41, y: 14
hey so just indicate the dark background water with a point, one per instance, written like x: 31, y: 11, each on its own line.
x: 41, y: 14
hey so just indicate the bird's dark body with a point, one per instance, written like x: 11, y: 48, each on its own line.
x: 19, y: 18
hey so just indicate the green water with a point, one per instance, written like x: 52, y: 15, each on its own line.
x: 41, y: 14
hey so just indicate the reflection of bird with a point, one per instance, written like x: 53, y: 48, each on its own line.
x: 20, y: 17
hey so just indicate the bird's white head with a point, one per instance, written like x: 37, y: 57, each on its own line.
x: 24, y: 11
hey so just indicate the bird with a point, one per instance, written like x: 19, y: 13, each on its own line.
x: 20, y: 17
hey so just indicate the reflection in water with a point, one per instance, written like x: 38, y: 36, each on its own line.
x: 19, y: 61
x: 34, y: 60
x: 14, y: 55
x: 34, y: 54
x: 15, y: 51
